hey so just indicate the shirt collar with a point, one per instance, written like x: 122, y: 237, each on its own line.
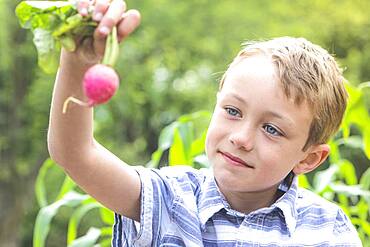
x: 212, y: 201
x: 287, y: 203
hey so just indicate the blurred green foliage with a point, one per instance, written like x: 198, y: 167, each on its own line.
x: 170, y: 66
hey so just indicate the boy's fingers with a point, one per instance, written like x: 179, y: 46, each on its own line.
x: 101, y: 7
x: 83, y: 6
x: 111, y: 18
x: 130, y: 20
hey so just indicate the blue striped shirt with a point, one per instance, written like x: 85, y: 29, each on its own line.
x: 181, y: 206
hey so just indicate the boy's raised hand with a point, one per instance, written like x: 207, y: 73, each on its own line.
x: 71, y: 142
x: 108, y: 14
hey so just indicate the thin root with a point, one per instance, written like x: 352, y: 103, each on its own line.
x: 74, y: 100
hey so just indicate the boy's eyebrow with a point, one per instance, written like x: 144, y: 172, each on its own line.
x: 277, y: 115
x: 236, y: 96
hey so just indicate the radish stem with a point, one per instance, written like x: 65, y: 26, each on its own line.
x: 111, y: 48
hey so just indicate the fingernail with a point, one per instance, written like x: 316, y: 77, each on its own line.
x: 104, y: 30
x: 98, y: 16
x: 83, y: 11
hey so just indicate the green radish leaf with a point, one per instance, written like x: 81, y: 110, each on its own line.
x: 75, y: 219
x: 45, y: 5
x: 53, y: 23
x: 88, y: 240
x: 46, y: 214
x: 115, y: 48
x: 47, y: 50
x: 69, y: 24
x: 67, y: 42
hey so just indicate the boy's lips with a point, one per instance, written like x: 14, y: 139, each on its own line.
x: 234, y: 160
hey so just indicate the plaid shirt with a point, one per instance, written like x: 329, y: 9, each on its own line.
x: 181, y: 206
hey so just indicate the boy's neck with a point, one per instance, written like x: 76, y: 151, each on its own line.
x: 246, y: 202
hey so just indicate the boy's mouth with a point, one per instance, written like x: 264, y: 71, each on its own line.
x: 234, y: 160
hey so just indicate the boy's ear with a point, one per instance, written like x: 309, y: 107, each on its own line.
x: 315, y: 156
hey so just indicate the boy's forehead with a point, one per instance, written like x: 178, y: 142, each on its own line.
x: 258, y: 66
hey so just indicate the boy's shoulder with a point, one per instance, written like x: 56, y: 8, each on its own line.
x: 183, y: 173
x: 315, y: 210
x: 307, y: 199
x: 179, y: 178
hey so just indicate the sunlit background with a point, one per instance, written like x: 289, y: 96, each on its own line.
x: 169, y: 67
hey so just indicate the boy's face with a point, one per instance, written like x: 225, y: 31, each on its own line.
x: 256, y: 134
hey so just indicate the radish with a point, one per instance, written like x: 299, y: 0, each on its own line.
x: 100, y: 81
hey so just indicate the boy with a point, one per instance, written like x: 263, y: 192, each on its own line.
x: 278, y: 103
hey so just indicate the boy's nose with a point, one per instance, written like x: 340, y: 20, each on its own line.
x: 243, y: 139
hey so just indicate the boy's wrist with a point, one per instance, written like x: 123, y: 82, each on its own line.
x: 73, y: 61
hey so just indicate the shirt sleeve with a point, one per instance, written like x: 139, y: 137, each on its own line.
x: 157, y: 197
x: 345, y: 233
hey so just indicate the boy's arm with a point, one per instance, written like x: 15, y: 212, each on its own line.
x: 70, y: 138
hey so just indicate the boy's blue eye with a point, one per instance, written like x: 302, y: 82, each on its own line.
x: 272, y: 130
x: 232, y: 111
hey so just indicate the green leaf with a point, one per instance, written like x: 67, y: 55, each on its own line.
x: 46, y: 214
x: 67, y: 42
x: 351, y: 190
x: 334, y: 152
x: 186, y: 130
x: 68, y: 185
x: 68, y: 25
x: 365, y: 179
x: 155, y: 159
x: 180, y: 152
x: 88, y: 240
x: 303, y: 181
x: 75, y: 219
x: 40, y: 184
x: 198, y: 146
x: 202, y: 160
x: 47, y: 50
x: 348, y: 172
x: 323, y: 178
x: 351, y: 141
x: 366, y: 146
x: 107, y: 216
x: 177, y: 154
x: 43, y: 14
x: 166, y: 136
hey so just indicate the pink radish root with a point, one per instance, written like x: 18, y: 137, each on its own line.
x: 100, y: 82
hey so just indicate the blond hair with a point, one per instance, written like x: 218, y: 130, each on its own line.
x: 307, y: 73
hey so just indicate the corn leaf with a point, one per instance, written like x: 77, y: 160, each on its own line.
x: 46, y: 214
